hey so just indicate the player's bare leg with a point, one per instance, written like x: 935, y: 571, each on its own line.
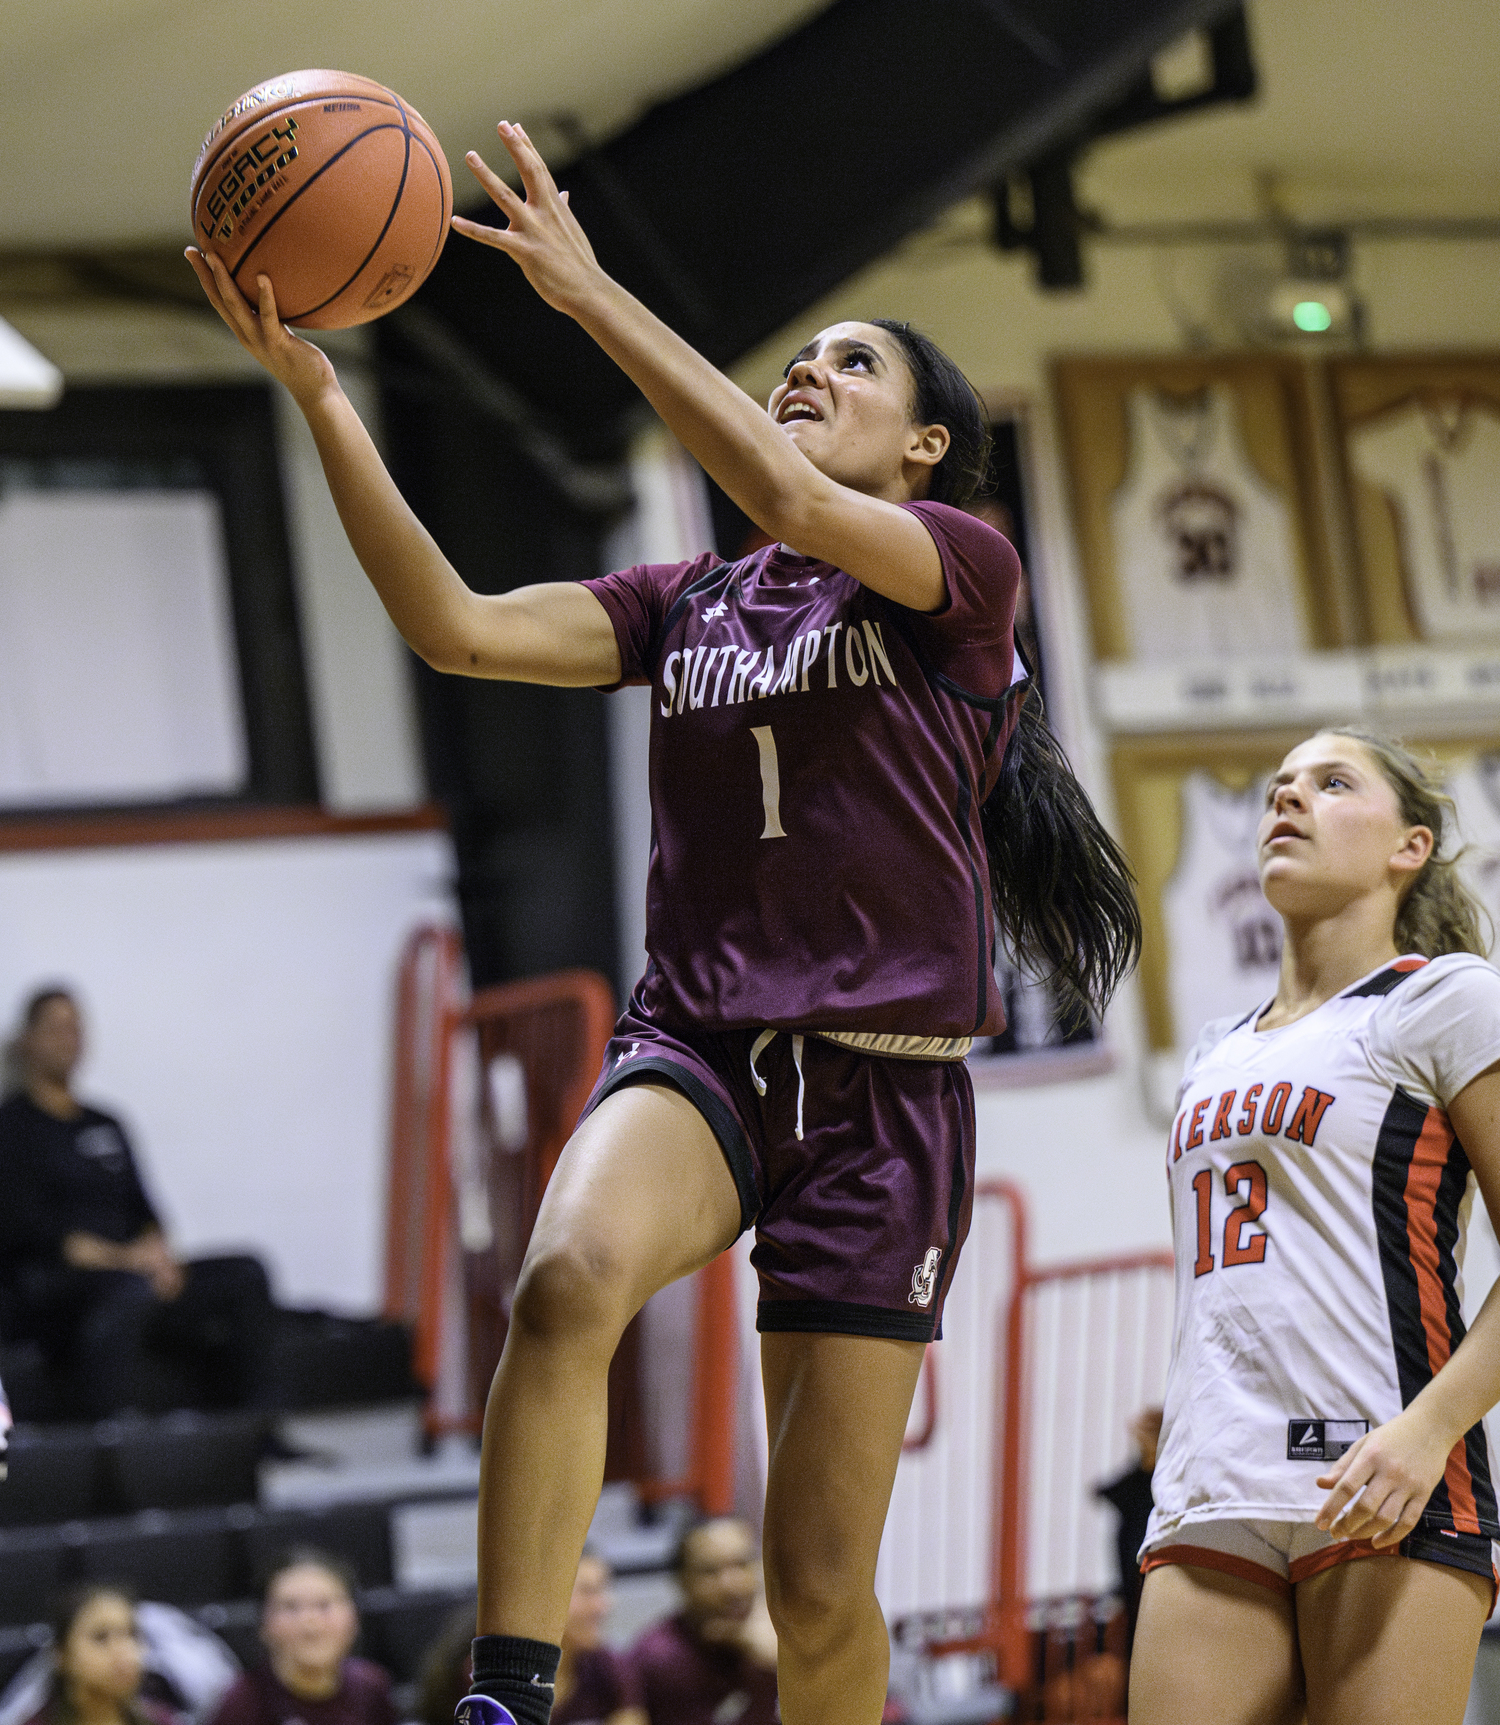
x: 1211, y: 1646
x: 1388, y: 1639
x: 836, y: 1410
x: 641, y: 1196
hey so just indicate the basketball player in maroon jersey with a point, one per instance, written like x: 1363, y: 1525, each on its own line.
x: 849, y: 791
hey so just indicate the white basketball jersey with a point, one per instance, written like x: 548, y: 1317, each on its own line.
x: 1223, y: 939
x: 1319, y: 1203
x: 1439, y: 463
x: 1205, y: 548
x: 1476, y: 795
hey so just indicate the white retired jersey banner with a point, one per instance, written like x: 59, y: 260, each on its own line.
x: 1205, y: 548
x: 1475, y: 790
x: 1319, y: 1205
x: 1438, y: 461
x: 1224, y: 940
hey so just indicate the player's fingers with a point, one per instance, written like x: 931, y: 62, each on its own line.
x: 199, y: 266
x: 235, y: 309
x: 495, y: 188
x: 1326, y: 1481
x: 535, y: 175
x: 1405, y: 1523
x: 1336, y: 1504
x: 270, y: 319
x: 500, y: 238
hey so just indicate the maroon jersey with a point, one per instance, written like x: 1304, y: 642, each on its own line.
x: 604, y: 1684
x: 258, y: 1697
x: 685, y: 1681
x: 819, y: 755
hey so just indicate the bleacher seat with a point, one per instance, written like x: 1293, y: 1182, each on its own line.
x: 53, y: 1476
x: 34, y: 1563
x: 236, y: 1622
x: 17, y: 1644
x: 184, y: 1460
x: 358, y: 1532
x: 187, y: 1558
x: 400, y: 1627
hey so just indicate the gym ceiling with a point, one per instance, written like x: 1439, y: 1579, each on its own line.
x: 732, y: 160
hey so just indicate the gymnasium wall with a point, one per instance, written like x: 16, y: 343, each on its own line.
x: 238, y: 1003
x: 239, y: 995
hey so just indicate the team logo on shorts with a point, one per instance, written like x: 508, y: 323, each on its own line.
x: 924, y: 1278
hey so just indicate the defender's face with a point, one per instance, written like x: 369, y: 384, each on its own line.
x: 1332, y: 829
x: 846, y: 403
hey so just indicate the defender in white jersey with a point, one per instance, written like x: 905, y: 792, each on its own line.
x: 1324, y: 1403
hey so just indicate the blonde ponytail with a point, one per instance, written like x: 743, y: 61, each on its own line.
x: 1438, y: 913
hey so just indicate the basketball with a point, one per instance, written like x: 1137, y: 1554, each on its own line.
x: 333, y: 187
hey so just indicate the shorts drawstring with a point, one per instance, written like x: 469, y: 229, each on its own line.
x: 761, y: 1043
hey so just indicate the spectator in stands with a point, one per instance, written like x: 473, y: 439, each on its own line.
x: 447, y: 1670
x: 97, y: 1662
x: 594, y: 1686
x: 85, y: 1267
x: 716, y: 1659
x: 593, y: 1683
x: 309, y: 1624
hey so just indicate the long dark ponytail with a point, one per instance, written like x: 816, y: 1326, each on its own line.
x: 1063, y: 892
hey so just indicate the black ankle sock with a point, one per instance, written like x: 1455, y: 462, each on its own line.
x: 518, y: 1673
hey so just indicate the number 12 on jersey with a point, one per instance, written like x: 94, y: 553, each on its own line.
x: 770, y: 781
x: 1237, y: 1247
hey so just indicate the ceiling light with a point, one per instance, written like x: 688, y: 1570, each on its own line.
x: 1315, y: 310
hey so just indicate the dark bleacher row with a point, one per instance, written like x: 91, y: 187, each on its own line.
x: 169, y: 1505
x: 182, y: 1461
x: 187, y: 1556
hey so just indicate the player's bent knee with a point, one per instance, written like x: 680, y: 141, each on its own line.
x: 571, y: 1289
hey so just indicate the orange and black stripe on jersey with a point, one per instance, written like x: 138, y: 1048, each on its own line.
x: 1420, y: 1175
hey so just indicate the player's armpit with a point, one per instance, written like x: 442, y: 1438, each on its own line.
x: 555, y: 632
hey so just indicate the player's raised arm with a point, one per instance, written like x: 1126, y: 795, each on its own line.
x: 823, y: 500
x: 555, y: 632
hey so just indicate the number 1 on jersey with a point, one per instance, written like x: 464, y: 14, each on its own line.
x: 770, y: 781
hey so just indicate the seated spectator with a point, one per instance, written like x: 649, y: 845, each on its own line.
x: 97, y: 1662
x: 593, y: 1684
x: 309, y: 1624
x: 85, y: 1267
x: 716, y: 1659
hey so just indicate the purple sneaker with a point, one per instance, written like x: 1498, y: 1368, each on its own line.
x: 482, y: 1710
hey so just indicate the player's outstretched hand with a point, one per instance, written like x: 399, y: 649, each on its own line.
x: 1381, y: 1484
x: 303, y: 368
x: 544, y: 236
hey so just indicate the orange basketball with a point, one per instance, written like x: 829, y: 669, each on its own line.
x: 333, y: 187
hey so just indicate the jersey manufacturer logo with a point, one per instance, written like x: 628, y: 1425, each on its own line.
x: 1322, y: 1440
x: 627, y: 1053
x: 924, y: 1278
x: 715, y: 611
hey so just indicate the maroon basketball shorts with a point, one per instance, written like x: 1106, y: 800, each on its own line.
x: 855, y: 1170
